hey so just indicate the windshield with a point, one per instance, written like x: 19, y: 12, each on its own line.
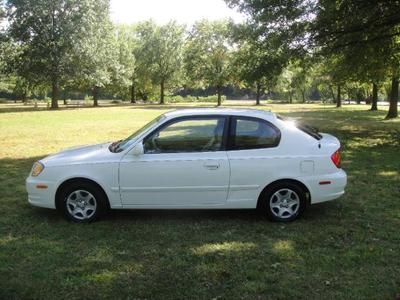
x: 121, y: 145
x: 312, y: 131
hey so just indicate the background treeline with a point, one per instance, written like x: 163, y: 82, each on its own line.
x: 287, y: 50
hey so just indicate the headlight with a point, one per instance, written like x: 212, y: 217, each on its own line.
x: 37, y: 168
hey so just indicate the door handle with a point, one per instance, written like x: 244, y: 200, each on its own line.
x: 211, y: 166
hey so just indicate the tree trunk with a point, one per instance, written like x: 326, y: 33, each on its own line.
x: 133, y: 93
x: 333, y: 94
x: 24, y: 97
x: 162, y: 92
x: 374, y: 104
x: 394, y: 99
x: 54, y: 95
x: 219, y: 95
x: 64, y: 97
x: 96, y: 95
x: 290, y: 98
x: 338, y: 99
x: 258, y: 93
x: 303, y: 96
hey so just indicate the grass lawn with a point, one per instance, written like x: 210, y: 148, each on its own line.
x: 345, y: 249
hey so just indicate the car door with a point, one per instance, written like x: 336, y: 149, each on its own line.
x: 252, y: 151
x: 184, y: 165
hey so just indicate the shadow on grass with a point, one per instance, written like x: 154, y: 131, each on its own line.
x: 18, y: 108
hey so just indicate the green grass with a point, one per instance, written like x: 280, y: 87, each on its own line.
x: 345, y: 249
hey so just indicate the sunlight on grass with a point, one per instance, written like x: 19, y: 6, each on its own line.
x: 223, y: 247
x: 100, y: 255
x: 7, y: 239
x: 389, y: 173
x: 107, y: 276
x: 103, y: 277
x: 283, y: 246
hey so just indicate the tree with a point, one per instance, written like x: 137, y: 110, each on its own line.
x: 2, y: 11
x: 338, y: 29
x: 50, y: 33
x: 97, y: 52
x: 296, y: 79
x: 353, y: 29
x: 301, y: 77
x: 160, y: 52
x: 285, y: 84
x: 208, y: 54
x: 287, y: 22
x: 132, y: 72
x: 125, y: 74
x: 255, y: 63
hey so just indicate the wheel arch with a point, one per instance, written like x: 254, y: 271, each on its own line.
x: 69, y: 181
x: 284, y: 180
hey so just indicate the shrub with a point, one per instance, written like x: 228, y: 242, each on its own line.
x: 88, y: 100
x: 188, y: 99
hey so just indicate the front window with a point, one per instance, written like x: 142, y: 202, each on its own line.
x: 124, y: 144
x: 187, y: 135
x: 252, y: 133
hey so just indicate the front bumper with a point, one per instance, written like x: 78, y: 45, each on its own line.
x: 39, y: 196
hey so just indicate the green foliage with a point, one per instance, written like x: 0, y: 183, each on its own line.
x: 125, y: 72
x: 160, y: 52
x: 353, y: 40
x: 2, y: 11
x: 294, y: 49
x: 47, y: 34
x: 97, y: 52
x: 192, y: 99
x: 368, y: 45
x: 208, y: 54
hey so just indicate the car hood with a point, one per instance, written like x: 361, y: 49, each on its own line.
x: 98, y: 153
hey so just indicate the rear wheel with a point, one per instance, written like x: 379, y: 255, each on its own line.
x: 284, y: 202
x: 82, y: 202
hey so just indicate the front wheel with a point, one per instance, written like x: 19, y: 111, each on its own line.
x: 82, y: 202
x: 284, y: 202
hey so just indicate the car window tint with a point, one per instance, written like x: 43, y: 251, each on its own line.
x: 188, y: 135
x: 254, y: 134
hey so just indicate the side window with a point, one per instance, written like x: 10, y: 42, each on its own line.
x: 252, y: 133
x: 187, y: 135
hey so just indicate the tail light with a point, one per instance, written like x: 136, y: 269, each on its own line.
x: 336, y: 158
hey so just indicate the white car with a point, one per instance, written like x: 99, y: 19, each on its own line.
x: 195, y: 159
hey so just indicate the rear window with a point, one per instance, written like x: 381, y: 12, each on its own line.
x: 252, y: 133
x: 311, y: 131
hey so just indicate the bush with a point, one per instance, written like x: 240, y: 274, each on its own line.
x: 188, y: 99
x: 88, y: 100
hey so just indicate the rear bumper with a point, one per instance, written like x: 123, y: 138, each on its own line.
x: 38, y: 196
x: 333, y: 188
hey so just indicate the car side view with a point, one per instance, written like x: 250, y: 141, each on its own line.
x: 195, y: 159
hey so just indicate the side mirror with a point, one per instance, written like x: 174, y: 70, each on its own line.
x: 138, y: 149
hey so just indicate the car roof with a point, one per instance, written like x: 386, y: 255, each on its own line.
x: 219, y: 111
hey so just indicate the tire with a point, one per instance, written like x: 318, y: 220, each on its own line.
x: 82, y: 202
x: 284, y: 202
